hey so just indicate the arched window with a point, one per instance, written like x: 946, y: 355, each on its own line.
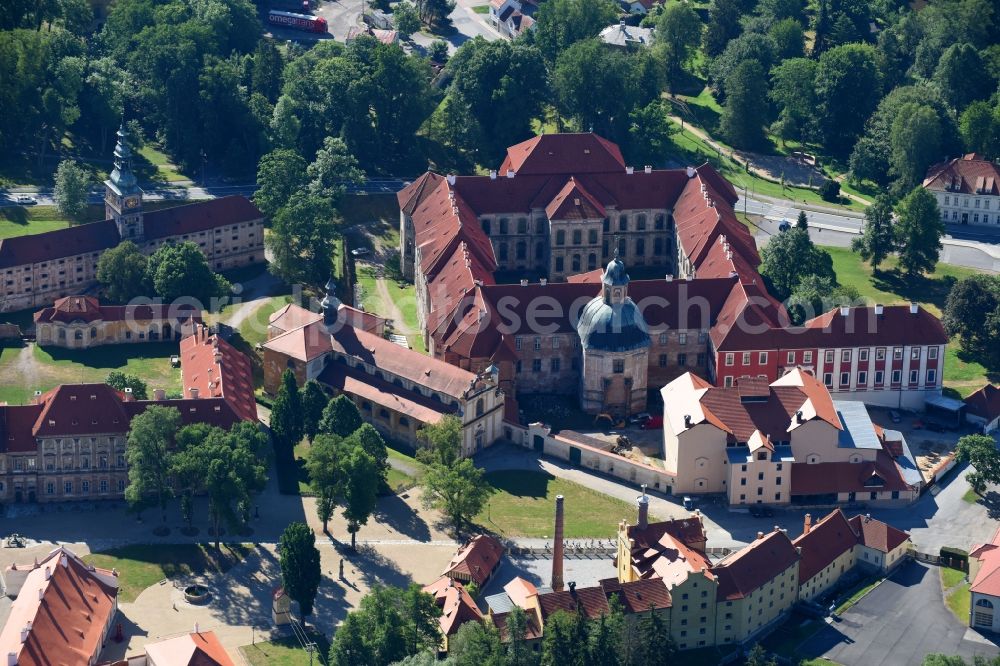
x: 560, y: 237
x: 62, y: 333
x: 404, y: 422
x: 640, y: 222
x: 591, y: 261
x: 78, y: 335
x: 383, y: 414
x: 367, y: 406
x: 522, y: 250
x: 479, y: 407
x: 486, y: 227
x: 984, y: 603
x: 576, y: 263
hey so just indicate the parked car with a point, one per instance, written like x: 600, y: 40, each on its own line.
x: 761, y: 511
x: 360, y: 252
x: 653, y: 423
x: 894, y: 416
x: 688, y: 503
x: 26, y: 200
x: 639, y: 419
x: 784, y: 225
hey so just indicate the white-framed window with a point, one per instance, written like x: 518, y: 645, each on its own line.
x: 862, y: 378
x: 845, y: 356
x: 879, y: 377
x: 682, y: 338
x: 880, y: 354
x: 746, y: 358
x: 807, y: 357
x: 517, y: 343
x: 897, y: 353
x: 663, y: 338
x: 829, y: 356
x: 762, y: 358
x: 538, y: 344
x: 897, y: 376
x: 862, y: 355
x: 828, y: 379
x: 915, y: 354
x: 730, y: 358
x: 932, y: 376
x: 727, y: 382
x: 790, y: 358
x: 932, y: 353
x: 845, y: 378
x: 913, y: 376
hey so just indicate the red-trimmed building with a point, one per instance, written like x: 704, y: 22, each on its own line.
x: 69, y: 443
x: 561, y: 206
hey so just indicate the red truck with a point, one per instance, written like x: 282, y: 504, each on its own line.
x: 298, y: 21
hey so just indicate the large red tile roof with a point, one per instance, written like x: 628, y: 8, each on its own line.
x: 89, y: 309
x: 754, y: 565
x: 825, y: 541
x: 199, y: 216
x: 880, y: 475
x: 456, y: 604
x: 969, y: 174
x: 563, y: 153
x: 196, y: 649
x: 987, y: 580
x: 68, y: 612
x: 413, y: 194
x: 218, y: 370
x: 878, y: 535
x: 591, y: 601
x: 343, y: 378
x: 639, y: 596
x: 574, y: 202
x: 476, y: 560
x: 69, y: 242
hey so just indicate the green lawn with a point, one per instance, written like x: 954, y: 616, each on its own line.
x: 524, y: 506
x: 951, y: 577
x: 404, y: 295
x: 253, y: 329
x: 397, y: 479
x: 30, y: 220
x: 27, y: 369
x: 370, y: 298
x: 481, y: 9
x: 140, y: 566
x: 959, y: 602
x: 285, y: 652
x: 165, y: 170
x: 961, y: 374
x: 970, y: 496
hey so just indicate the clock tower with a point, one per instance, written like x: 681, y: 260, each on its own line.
x: 122, y: 195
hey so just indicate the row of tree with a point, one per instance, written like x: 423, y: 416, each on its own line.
x: 173, y: 271
x: 166, y: 460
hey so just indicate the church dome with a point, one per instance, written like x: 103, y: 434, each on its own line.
x: 611, y: 327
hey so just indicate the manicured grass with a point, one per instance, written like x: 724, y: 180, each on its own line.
x: 253, y: 329
x: 890, y: 287
x: 27, y: 369
x: 370, y: 298
x: 165, y: 170
x: 417, y: 343
x: 301, y: 456
x: 285, y: 652
x: 970, y: 496
x: 524, y: 506
x: 863, y: 588
x: 481, y: 9
x: 818, y: 661
x: 951, y: 577
x: 142, y: 565
x: 404, y: 295
x: 959, y: 601
x: 398, y: 479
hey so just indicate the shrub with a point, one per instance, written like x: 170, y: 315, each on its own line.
x: 830, y: 191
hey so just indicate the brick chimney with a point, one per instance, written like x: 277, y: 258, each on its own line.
x: 807, y: 525
x: 643, y: 503
x: 557, y: 548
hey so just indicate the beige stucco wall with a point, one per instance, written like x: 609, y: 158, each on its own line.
x: 696, y: 457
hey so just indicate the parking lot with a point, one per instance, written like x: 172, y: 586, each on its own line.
x: 897, y: 624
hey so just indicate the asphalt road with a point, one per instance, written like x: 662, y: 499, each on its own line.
x: 898, y: 624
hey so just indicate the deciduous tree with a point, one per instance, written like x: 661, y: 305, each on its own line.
x: 562, y: 23
x: 982, y: 453
x: 340, y: 417
x: 918, y: 232
x: 333, y: 169
x: 791, y: 256
x: 848, y: 87
x: 122, y: 271
x: 972, y: 312
x: 326, y: 474
x: 362, y: 479
x: 878, y: 238
x: 916, y: 140
x: 301, y: 240
x: 286, y: 413
x: 119, y: 380
x: 314, y: 401
x: 678, y: 34
x: 181, y: 271
x: 281, y: 175
x: 72, y: 190
x: 459, y: 491
x: 148, y: 450
x: 744, y: 116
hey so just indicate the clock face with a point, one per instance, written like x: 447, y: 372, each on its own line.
x: 131, y: 202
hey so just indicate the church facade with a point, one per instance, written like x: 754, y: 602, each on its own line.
x: 38, y: 269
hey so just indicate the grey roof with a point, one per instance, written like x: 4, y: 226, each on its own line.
x: 500, y: 603
x: 947, y: 404
x: 858, y: 432
x: 740, y: 455
x: 627, y: 35
x: 614, y: 273
x: 907, y: 463
x: 615, y: 328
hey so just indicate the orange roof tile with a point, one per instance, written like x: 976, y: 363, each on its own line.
x: 476, y: 560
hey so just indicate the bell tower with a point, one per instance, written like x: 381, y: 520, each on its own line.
x: 122, y: 194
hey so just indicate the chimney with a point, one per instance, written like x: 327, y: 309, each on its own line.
x: 48, y: 573
x: 572, y: 587
x: 913, y: 308
x: 159, y: 394
x: 557, y: 548
x: 543, y: 281
x: 451, y: 179
x: 807, y: 525
x: 128, y: 394
x: 41, y: 594
x: 197, y: 628
x: 844, y: 310
x: 629, y: 170
x: 24, y: 634
x: 798, y: 549
x: 868, y: 517
x: 64, y: 561
x: 687, y: 420
x: 194, y: 392
x: 798, y: 416
x: 643, y: 503
x: 879, y: 309
x: 493, y: 174
x: 669, y: 278
x: 524, y: 283
x: 648, y: 169
x: 691, y: 172
x: 510, y: 173
x: 11, y: 659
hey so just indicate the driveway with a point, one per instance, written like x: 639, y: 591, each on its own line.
x: 897, y: 624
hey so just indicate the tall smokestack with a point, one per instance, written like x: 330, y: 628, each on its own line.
x: 557, y: 548
x: 643, y: 503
